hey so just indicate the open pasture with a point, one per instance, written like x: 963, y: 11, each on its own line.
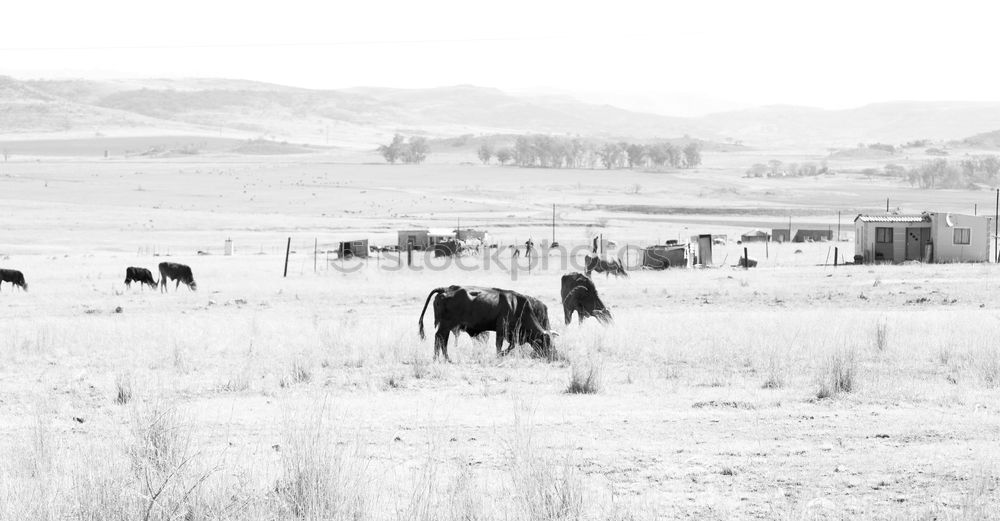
x: 789, y: 391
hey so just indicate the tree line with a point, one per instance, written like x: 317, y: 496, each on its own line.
x: 413, y: 150
x: 544, y: 151
x: 776, y: 168
x: 941, y: 173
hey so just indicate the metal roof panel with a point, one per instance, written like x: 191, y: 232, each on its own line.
x: 893, y: 218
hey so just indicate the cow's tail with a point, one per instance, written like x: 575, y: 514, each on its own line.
x: 426, y: 302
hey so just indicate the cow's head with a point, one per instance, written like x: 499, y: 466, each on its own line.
x: 536, y: 334
x: 193, y: 285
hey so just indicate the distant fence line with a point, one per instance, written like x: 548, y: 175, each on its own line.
x: 506, y: 259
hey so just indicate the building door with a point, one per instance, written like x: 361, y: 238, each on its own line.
x: 925, y: 245
x: 913, y: 247
x: 705, y: 249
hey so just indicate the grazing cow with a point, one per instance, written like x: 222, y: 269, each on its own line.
x: 14, y: 277
x: 516, y: 318
x: 178, y: 272
x: 140, y: 275
x: 608, y: 265
x: 580, y: 295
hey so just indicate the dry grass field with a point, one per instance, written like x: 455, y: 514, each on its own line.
x: 790, y: 391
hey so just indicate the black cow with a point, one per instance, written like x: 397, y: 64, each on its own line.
x: 14, y: 277
x: 605, y: 265
x: 178, y: 272
x: 140, y: 275
x: 516, y: 318
x: 580, y: 295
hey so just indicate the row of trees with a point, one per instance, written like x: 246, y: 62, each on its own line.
x: 941, y: 173
x: 543, y: 151
x: 776, y: 168
x: 413, y: 150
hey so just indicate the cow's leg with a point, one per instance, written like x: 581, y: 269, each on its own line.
x: 568, y: 313
x: 177, y: 285
x: 501, y: 335
x: 441, y: 343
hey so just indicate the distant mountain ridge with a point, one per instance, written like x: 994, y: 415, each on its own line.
x: 363, y: 116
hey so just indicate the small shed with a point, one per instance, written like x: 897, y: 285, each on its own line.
x: 356, y: 248
x: 703, y: 244
x: 755, y: 236
x: 415, y: 238
x: 805, y: 235
x: 801, y: 235
x: 926, y: 237
x: 664, y: 256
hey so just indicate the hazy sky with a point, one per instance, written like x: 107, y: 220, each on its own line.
x: 829, y: 54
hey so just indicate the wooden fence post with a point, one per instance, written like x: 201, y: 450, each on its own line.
x: 288, y: 250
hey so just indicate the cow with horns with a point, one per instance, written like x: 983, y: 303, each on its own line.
x: 515, y: 318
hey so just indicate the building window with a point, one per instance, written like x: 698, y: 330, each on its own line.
x: 962, y: 235
x: 883, y: 235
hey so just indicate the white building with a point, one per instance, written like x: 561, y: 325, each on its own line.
x: 927, y: 237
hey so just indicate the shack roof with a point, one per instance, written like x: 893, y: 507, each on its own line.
x: 893, y: 218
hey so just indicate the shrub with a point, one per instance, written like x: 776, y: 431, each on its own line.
x: 123, y: 388
x: 585, y: 378
x: 838, y: 375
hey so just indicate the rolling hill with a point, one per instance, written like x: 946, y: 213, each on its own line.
x: 363, y: 116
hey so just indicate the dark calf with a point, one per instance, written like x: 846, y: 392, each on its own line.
x: 14, y: 277
x: 140, y: 275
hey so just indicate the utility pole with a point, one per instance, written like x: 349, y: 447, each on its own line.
x: 996, y: 224
x: 553, y: 224
x: 886, y: 205
x: 838, y: 225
